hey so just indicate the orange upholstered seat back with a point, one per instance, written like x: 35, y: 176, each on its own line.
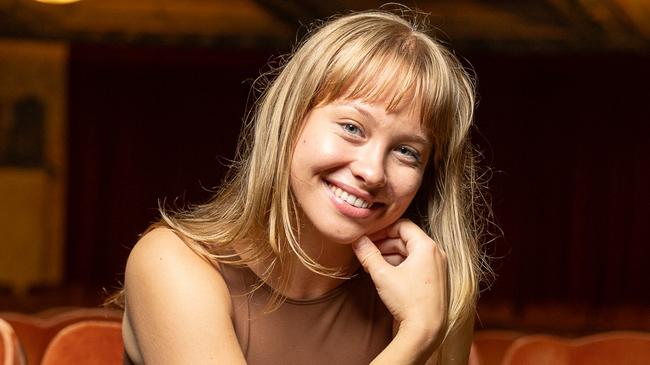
x: 86, y: 342
x: 35, y: 331
x: 10, y: 351
x: 490, y: 346
x: 629, y: 348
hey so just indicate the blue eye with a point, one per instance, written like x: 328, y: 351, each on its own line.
x: 409, y: 153
x: 351, y: 128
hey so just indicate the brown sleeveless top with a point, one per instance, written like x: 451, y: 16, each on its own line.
x: 348, y: 325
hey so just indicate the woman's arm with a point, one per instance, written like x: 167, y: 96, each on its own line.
x: 414, y: 291
x: 456, y: 347
x: 178, y: 305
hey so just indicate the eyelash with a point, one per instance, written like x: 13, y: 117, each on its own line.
x: 404, y: 150
x: 346, y: 127
x: 412, y: 153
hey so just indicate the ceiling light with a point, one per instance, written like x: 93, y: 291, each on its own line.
x: 57, y: 1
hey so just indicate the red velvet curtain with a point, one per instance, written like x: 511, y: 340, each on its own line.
x: 146, y: 124
x: 568, y: 138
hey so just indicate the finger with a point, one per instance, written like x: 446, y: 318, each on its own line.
x: 368, y: 254
x: 379, y: 235
x: 410, y: 233
x: 391, y: 246
x: 392, y: 231
x: 394, y: 259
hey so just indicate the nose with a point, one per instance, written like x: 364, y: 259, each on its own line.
x: 369, y: 167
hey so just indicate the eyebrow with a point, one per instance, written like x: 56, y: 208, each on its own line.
x: 417, y: 138
x: 361, y: 110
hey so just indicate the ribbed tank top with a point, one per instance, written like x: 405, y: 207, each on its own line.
x: 347, y: 325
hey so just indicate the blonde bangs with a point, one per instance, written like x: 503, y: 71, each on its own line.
x: 397, y: 71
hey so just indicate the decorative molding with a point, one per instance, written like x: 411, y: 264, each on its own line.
x: 553, y: 25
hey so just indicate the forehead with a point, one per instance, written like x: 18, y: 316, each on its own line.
x: 397, y: 86
x: 403, y: 116
x: 407, y: 111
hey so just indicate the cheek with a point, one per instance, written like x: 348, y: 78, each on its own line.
x: 415, y: 186
x: 409, y: 193
x: 330, y: 152
x: 317, y: 152
x: 407, y: 184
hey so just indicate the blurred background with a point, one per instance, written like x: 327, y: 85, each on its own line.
x: 107, y: 107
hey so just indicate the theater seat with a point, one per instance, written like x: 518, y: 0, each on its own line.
x: 473, y: 358
x: 86, y: 342
x: 10, y: 351
x: 490, y: 346
x: 35, y: 331
x: 609, y: 348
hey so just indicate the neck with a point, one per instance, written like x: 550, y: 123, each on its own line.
x: 304, y: 283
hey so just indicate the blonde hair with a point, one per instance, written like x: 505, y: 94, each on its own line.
x: 366, y: 55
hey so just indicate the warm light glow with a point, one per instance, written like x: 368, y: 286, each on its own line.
x: 57, y: 1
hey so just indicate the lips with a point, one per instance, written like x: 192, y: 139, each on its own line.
x: 349, y: 198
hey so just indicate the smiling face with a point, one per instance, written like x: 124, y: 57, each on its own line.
x: 356, y: 167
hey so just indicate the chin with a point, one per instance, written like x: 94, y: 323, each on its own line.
x: 347, y: 234
x: 348, y: 240
x: 344, y: 238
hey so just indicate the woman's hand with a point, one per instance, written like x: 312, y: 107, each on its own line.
x: 392, y: 249
x: 410, y: 273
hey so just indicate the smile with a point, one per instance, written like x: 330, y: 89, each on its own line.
x: 349, y: 198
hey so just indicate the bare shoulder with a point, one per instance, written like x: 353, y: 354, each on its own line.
x: 162, y: 267
x: 162, y: 248
x: 171, y: 295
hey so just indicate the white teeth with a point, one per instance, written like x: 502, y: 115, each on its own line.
x: 360, y: 203
x: 349, y: 198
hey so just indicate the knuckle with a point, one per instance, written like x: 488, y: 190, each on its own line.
x: 380, y: 273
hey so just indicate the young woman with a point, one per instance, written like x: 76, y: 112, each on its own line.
x: 347, y: 231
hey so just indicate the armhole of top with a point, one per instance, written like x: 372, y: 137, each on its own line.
x: 239, y: 288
